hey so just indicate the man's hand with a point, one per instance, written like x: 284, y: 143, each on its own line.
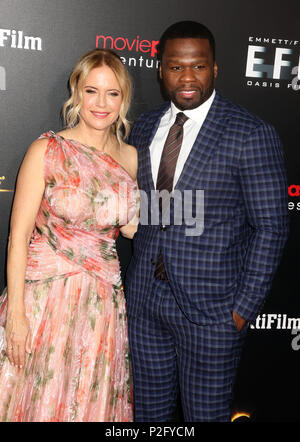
x: 238, y: 320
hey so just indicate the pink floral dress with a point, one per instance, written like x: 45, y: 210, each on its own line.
x: 79, y: 368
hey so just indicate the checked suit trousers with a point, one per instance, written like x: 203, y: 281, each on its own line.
x: 171, y: 354
x: 166, y: 172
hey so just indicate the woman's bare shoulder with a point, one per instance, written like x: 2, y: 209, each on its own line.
x: 37, y: 148
x: 130, y: 157
x: 130, y: 150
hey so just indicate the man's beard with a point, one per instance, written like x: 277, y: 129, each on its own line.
x: 186, y: 104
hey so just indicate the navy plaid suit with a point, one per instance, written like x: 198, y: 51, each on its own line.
x: 237, y: 159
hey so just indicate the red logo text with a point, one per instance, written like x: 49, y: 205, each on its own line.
x: 294, y: 190
x: 131, y: 44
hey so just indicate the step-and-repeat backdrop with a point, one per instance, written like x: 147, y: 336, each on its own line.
x: 258, y: 49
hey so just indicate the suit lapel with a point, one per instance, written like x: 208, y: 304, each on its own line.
x: 205, y: 144
x: 150, y: 130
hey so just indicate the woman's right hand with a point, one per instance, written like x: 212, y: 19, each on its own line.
x: 18, y: 339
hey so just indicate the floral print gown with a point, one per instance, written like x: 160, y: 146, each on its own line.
x: 79, y: 368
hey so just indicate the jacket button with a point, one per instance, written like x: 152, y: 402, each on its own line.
x: 163, y: 228
x: 152, y: 261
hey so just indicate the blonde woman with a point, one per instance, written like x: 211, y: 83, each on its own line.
x: 64, y: 354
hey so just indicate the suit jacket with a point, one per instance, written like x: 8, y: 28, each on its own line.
x: 238, y: 160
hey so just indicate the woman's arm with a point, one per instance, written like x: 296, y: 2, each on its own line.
x: 27, y: 200
x: 130, y: 229
x: 132, y: 163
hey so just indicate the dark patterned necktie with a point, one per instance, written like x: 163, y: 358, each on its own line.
x: 166, y: 172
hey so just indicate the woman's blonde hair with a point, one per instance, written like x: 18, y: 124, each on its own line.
x: 89, y: 61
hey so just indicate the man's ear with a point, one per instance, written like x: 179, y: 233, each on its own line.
x: 215, y: 70
x: 160, y: 71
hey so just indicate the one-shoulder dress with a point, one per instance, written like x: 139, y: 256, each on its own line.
x: 79, y: 367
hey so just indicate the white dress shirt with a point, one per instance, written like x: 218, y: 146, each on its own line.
x: 191, y: 129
